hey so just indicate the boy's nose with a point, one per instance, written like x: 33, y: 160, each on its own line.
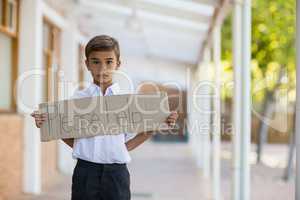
x: 101, y: 69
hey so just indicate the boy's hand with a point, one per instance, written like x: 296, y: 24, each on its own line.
x: 172, y: 118
x: 40, y: 118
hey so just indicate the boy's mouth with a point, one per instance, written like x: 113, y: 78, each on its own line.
x: 102, y: 76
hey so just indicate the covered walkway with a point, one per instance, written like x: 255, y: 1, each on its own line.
x: 167, y: 171
x: 175, y: 44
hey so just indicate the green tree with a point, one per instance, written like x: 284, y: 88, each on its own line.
x: 273, y: 39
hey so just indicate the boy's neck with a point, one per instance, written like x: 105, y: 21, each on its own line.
x: 104, y: 86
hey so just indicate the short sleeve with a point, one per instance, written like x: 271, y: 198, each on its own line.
x: 78, y: 94
x: 129, y: 136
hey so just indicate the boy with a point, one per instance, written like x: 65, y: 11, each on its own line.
x: 101, y: 171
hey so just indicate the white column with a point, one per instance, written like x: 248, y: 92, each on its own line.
x: 242, y: 98
x: 237, y: 35
x: 69, y: 79
x: 193, y: 121
x: 216, y: 143
x: 206, y: 115
x: 246, y: 102
x: 195, y: 137
x: 202, y: 114
x: 68, y: 71
x: 29, y: 89
x: 298, y: 105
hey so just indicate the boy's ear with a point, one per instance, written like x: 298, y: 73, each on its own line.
x: 118, y: 64
x: 87, y: 64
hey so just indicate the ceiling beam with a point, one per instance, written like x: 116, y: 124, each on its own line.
x: 103, y: 22
x: 213, y: 3
x: 107, y: 24
x: 101, y: 9
x: 220, y: 13
x: 186, y: 6
x: 174, y: 28
x: 157, y: 12
x: 175, y: 12
x: 173, y: 20
x: 105, y: 5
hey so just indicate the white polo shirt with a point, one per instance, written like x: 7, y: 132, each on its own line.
x: 101, y: 149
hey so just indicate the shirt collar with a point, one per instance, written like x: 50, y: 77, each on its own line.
x: 112, y: 89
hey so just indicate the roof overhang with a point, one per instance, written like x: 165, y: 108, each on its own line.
x: 169, y: 29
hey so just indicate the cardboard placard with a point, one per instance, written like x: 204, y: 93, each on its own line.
x: 104, y: 115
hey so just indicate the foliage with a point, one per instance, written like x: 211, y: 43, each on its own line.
x: 273, y: 39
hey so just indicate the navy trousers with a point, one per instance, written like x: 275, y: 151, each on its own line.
x: 93, y: 181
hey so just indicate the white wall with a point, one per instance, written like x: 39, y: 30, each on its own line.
x: 156, y: 69
x: 192, y: 117
x: 199, y: 115
x: 29, y: 90
x: 69, y: 74
x: 30, y: 79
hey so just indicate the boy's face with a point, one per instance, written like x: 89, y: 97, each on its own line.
x: 102, y: 64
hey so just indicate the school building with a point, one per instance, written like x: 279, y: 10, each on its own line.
x: 169, y: 45
x: 42, y: 45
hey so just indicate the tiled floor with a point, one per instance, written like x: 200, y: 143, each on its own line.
x: 162, y: 171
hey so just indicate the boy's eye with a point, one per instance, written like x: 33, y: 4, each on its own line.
x: 96, y: 62
x: 109, y: 62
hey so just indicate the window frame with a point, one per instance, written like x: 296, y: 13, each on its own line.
x: 4, y: 23
x: 81, y: 66
x: 15, y: 56
x: 51, y: 53
x: 14, y: 4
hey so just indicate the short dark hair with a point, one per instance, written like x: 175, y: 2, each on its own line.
x: 102, y: 43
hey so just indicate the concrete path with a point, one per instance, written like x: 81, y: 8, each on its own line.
x: 167, y: 171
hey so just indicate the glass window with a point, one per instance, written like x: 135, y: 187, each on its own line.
x: 81, y: 66
x: 45, y: 60
x: 51, y: 58
x: 5, y: 72
x: 11, y: 15
x: 1, y: 12
x: 46, y: 36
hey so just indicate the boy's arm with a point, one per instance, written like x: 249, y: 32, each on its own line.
x: 143, y: 136
x: 41, y: 118
x: 138, y: 140
x: 69, y: 142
